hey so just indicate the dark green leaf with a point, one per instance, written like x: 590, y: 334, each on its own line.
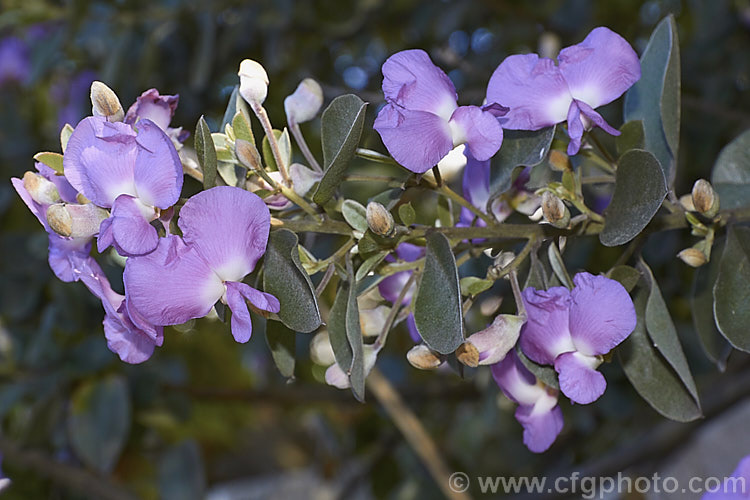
x: 204, y: 148
x: 99, y: 422
x: 437, y: 307
x: 341, y: 127
x: 627, y: 276
x: 354, y: 335
x: 286, y: 279
x: 732, y: 289
x: 662, y: 332
x: 181, y: 473
x: 342, y: 351
x: 520, y: 148
x: 355, y: 214
x: 407, y: 214
x: 388, y: 198
x: 639, y: 192
x: 558, y: 265
x: 545, y: 373
x: 281, y: 342
x: 537, y: 277
x: 702, y: 308
x: 231, y: 108
x: 369, y: 264
x: 631, y: 136
x: 731, y: 173
x: 655, y: 98
x: 650, y: 374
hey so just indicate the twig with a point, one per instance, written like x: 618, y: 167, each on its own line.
x: 260, y: 112
x: 413, y: 431
x: 326, y: 278
x: 297, y: 133
x: 380, y: 341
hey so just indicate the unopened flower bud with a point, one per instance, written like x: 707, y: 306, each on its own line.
x: 488, y: 346
x: 422, y: 357
x: 253, y: 82
x: 468, y: 354
x: 41, y: 190
x: 305, y: 102
x: 692, y: 257
x: 554, y: 210
x: 75, y: 221
x: 559, y: 161
x: 705, y: 199
x: 379, y: 219
x: 104, y: 102
x: 321, y: 352
x: 248, y: 154
x: 686, y: 200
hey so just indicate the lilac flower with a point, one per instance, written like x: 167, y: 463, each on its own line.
x: 44, y: 189
x: 159, y: 109
x: 736, y: 487
x: 422, y: 121
x: 538, y: 411
x: 390, y: 288
x: 590, y: 74
x: 15, y: 65
x: 134, y: 174
x: 572, y: 329
x: 224, y: 233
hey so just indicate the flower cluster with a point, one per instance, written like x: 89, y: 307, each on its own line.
x: 121, y: 184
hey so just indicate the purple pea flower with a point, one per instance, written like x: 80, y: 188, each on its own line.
x: 572, y: 329
x: 134, y: 174
x: 160, y: 109
x: 538, y: 411
x: 390, y: 288
x: 65, y: 254
x: 590, y: 74
x: 422, y: 121
x: 736, y: 487
x: 224, y: 233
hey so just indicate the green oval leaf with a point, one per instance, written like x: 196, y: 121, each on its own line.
x: 341, y: 128
x: 731, y: 173
x: 286, y: 279
x: 355, y: 214
x: 702, y: 309
x: 52, y: 160
x: 407, y: 214
x: 732, y: 289
x: 655, y: 98
x: 660, y: 328
x: 521, y: 148
x: 281, y: 341
x: 631, y: 136
x: 204, y: 148
x: 99, y: 422
x: 650, y: 374
x: 639, y: 192
x: 627, y: 276
x: 437, y: 307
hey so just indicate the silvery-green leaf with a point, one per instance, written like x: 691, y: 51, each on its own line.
x: 731, y: 173
x: 732, y: 289
x: 204, y: 148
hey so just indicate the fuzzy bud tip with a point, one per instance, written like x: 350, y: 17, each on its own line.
x: 104, y: 102
x: 705, y: 199
x: 692, y: 257
x: 379, y: 219
x: 422, y: 357
x: 305, y: 102
x: 554, y: 210
x: 468, y: 354
x: 253, y: 81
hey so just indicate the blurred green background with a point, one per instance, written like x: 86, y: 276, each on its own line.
x: 206, y: 414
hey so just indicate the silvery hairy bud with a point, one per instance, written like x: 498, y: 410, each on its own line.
x: 559, y: 161
x: 692, y: 257
x: 41, y: 190
x: 705, y: 199
x: 75, y: 221
x: 248, y: 154
x: 379, y: 219
x: 554, y: 210
x: 422, y: 357
x: 305, y: 102
x: 104, y: 102
x: 321, y: 352
x: 253, y: 82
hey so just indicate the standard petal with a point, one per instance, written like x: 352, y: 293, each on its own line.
x: 534, y: 90
x: 479, y: 130
x: 158, y: 169
x: 418, y: 140
x: 130, y: 232
x: 579, y: 379
x: 129, y: 343
x: 412, y: 81
x: 545, y: 334
x: 100, y: 159
x: 540, y: 429
x: 601, y: 68
x: 228, y: 227
x: 152, y: 106
x: 172, y: 284
x: 601, y: 314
